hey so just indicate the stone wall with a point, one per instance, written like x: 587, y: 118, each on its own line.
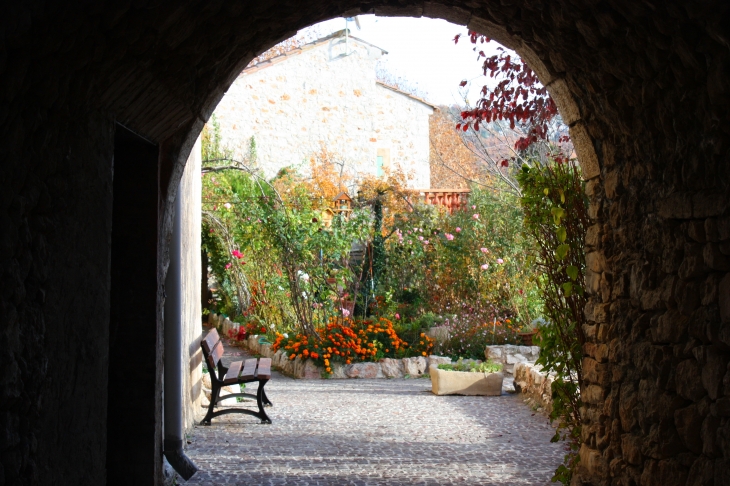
x: 510, y: 355
x: 55, y: 235
x: 296, y: 105
x: 531, y: 381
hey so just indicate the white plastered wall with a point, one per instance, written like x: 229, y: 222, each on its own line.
x: 191, y: 194
x: 316, y: 99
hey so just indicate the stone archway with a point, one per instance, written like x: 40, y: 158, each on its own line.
x: 645, y: 88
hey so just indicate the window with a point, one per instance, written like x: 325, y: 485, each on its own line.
x: 382, y: 162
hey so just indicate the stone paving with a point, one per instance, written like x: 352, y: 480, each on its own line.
x: 376, y: 432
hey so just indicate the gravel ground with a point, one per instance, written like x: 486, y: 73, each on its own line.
x: 375, y: 432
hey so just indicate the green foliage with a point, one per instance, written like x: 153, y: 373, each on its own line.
x: 485, y: 367
x: 471, y: 268
x: 555, y: 212
x: 295, y: 268
x: 212, y: 148
x: 274, y: 260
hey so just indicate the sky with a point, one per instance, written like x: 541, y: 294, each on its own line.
x: 422, y: 51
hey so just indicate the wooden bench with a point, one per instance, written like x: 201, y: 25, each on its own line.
x: 239, y: 372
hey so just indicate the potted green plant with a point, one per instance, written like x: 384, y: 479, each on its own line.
x: 530, y: 331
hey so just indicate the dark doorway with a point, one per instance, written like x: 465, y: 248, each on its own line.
x: 134, y: 371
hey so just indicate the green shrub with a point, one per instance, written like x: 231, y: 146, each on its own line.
x: 485, y: 367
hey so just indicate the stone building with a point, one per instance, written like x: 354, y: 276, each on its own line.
x: 325, y: 95
x: 101, y: 106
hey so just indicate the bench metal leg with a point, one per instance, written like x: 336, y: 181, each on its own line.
x: 215, y: 397
x: 214, y: 393
x: 260, y: 398
x: 236, y: 410
x: 264, y: 398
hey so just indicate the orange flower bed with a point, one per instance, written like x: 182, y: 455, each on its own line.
x: 352, y: 341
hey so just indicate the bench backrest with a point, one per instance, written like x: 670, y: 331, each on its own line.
x: 213, y: 349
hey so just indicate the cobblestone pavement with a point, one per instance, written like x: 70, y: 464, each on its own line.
x: 376, y: 432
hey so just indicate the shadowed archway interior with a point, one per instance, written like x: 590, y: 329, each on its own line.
x: 644, y: 86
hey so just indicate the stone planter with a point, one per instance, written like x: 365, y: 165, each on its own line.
x: 444, y: 382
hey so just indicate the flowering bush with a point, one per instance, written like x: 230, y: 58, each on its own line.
x: 271, y: 252
x: 469, y: 335
x: 473, y: 264
x: 350, y: 341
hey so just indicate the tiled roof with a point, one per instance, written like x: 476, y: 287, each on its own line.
x: 393, y: 88
x: 298, y: 50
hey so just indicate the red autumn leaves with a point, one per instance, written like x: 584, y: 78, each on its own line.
x: 518, y: 97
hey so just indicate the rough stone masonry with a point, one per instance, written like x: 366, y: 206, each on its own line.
x: 644, y: 87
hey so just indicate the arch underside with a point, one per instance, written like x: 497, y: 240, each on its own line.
x: 645, y: 88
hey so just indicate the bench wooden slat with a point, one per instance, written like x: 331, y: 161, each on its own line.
x: 232, y: 374
x: 211, y: 339
x: 215, y: 355
x: 249, y: 369
x: 264, y: 370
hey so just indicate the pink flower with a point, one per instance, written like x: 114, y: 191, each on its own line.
x: 397, y: 316
x: 449, y: 236
x: 345, y: 312
x: 425, y: 242
x: 237, y: 254
x: 458, y: 230
x: 500, y: 261
x: 228, y: 265
x: 227, y: 205
x: 473, y: 206
x: 484, y: 250
x: 485, y: 266
x: 420, y: 238
x: 475, y: 216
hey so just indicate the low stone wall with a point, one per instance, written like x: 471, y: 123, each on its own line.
x: 510, y: 355
x: 536, y: 385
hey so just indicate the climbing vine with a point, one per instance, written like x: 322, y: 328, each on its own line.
x: 555, y: 212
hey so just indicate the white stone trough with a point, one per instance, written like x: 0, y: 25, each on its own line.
x: 446, y: 382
